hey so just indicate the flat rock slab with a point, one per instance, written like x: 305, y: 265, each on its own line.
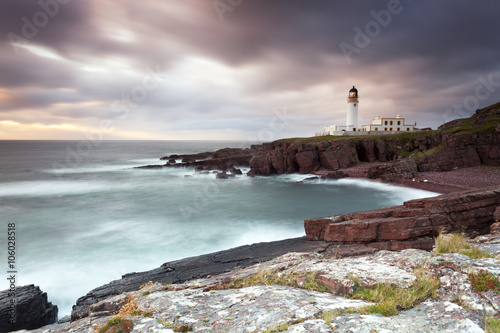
x: 489, y: 243
x: 242, y: 310
x: 333, y: 273
x: 426, y: 318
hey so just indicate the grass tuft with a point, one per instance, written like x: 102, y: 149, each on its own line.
x: 175, y: 327
x: 269, y: 277
x: 117, y: 324
x: 457, y: 243
x: 391, y: 298
x: 278, y: 328
x: 492, y: 325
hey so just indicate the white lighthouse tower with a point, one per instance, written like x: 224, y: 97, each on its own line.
x: 352, y: 112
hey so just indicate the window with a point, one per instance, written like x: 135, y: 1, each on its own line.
x: 385, y: 129
x: 391, y: 122
x: 399, y: 129
x: 390, y: 129
x: 385, y: 123
x: 399, y: 122
x: 354, y: 104
x: 407, y: 129
x: 376, y: 128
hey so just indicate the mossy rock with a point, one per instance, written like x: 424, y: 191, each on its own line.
x: 117, y: 324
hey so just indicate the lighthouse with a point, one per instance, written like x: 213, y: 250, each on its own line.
x: 379, y: 125
x: 352, y: 111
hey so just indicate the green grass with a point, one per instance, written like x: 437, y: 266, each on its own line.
x: 466, y: 125
x: 269, y: 277
x: 175, y: 327
x: 125, y: 325
x: 402, y: 136
x: 405, y: 153
x: 492, y: 325
x: 457, y: 243
x: 278, y: 328
x: 390, y: 299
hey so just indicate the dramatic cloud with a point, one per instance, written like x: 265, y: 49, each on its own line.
x: 239, y: 69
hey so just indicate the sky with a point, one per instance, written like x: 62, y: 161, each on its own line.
x: 239, y: 69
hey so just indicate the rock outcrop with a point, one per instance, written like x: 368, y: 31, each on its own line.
x: 26, y: 308
x: 196, y: 267
x: 213, y: 304
x: 461, y: 143
x: 391, y: 228
x: 225, y: 159
x: 393, y: 171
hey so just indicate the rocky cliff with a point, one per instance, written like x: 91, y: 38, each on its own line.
x: 461, y: 143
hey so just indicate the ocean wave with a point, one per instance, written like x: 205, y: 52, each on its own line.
x: 400, y: 191
x: 50, y: 188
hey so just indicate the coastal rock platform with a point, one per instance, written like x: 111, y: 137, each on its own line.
x: 236, y: 302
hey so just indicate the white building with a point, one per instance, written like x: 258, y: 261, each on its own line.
x: 378, y: 125
x: 388, y: 125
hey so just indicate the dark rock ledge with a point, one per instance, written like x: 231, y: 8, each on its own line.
x: 225, y: 159
x: 32, y: 309
x: 197, y: 267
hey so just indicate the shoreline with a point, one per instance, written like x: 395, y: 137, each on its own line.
x: 442, y: 182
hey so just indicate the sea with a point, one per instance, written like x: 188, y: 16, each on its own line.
x: 84, y: 216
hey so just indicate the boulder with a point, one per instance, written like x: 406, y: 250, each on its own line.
x: 496, y: 214
x: 495, y: 228
x: 394, y: 170
x: 222, y: 175
x: 32, y: 309
x: 260, y: 165
x: 236, y: 171
x: 308, y: 161
x: 334, y: 175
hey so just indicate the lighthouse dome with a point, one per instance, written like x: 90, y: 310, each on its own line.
x: 353, y: 92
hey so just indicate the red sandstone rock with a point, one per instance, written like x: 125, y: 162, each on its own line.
x: 335, y: 285
x: 392, y: 171
x: 495, y: 228
x: 464, y: 211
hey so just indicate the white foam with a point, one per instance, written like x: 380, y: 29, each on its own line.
x: 93, y: 169
x: 400, y: 191
x: 50, y: 188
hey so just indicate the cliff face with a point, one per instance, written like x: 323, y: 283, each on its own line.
x: 466, y: 142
